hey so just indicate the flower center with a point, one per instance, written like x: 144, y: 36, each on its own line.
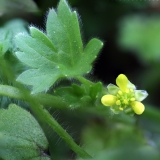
x: 124, y: 99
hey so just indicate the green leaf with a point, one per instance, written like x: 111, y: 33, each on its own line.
x: 71, y: 95
x: 14, y: 6
x: 82, y: 95
x: 21, y: 136
x: 64, y: 31
x: 90, y: 53
x: 57, y: 54
x: 45, y: 71
x: 95, y: 90
x: 8, y: 32
x: 37, y: 79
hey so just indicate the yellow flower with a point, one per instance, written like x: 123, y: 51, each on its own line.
x: 125, y: 97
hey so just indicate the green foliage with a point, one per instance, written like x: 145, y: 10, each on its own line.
x: 116, y: 141
x: 8, y: 61
x: 21, y: 137
x: 11, y: 6
x: 8, y: 32
x: 59, y: 53
x: 81, y: 96
x: 42, y: 58
x: 141, y: 34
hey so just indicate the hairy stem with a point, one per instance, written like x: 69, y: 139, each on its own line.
x: 38, y: 109
x: 85, y: 81
x: 45, y: 99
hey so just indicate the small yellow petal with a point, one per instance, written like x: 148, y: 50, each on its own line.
x: 108, y: 100
x: 122, y: 82
x: 138, y: 107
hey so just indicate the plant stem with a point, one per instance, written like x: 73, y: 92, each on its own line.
x: 38, y: 109
x: 85, y: 81
x: 44, y: 99
x: 60, y: 131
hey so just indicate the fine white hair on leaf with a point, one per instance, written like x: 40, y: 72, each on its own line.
x: 38, y: 27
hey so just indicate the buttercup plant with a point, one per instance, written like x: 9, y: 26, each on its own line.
x: 49, y: 57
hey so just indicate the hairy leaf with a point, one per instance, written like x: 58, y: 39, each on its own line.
x: 45, y: 71
x: 21, y: 137
x: 57, y: 54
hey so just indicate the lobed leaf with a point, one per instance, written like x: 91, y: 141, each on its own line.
x: 57, y: 54
x: 90, y: 54
x: 45, y: 71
